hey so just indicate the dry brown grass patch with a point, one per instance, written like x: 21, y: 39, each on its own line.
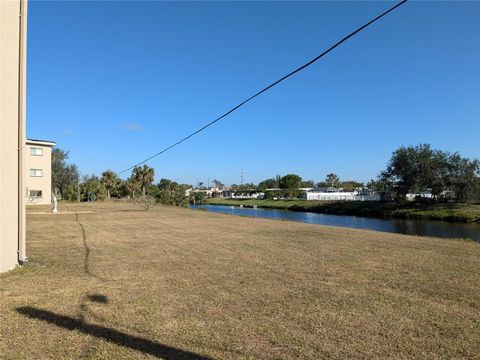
x: 175, y: 282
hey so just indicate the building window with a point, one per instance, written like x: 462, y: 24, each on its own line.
x: 35, y: 151
x: 36, y: 172
x: 36, y: 193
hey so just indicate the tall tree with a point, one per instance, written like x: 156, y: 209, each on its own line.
x: 268, y: 184
x: 165, y: 184
x: 381, y: 187
x: 464, y: 177
x: 64, y: 175
x: 172, y: 193
x: 307, y: 184
x: 332, y: 180
x: 402, y: 171
x: 417, y: 169
x: 92, y: 188
x: 290, y: 184
x: 350, y: 185
x: 110, y: 180
x: 144, y: 175
x: 132, y: 185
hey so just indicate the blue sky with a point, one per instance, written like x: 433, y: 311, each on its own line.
x: 114, y: 82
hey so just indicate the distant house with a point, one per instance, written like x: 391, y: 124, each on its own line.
x: 209, y: 192
x: 328, y: 189
x: 419, y: 196
x: 242, y: 194
x: 332, y: 194
x: 38, y: 166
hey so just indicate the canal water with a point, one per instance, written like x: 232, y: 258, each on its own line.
x: 441, y: 229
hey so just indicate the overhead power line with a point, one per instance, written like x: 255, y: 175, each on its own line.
x: 268, y: 87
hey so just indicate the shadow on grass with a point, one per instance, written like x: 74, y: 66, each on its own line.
x: 114, y: 336
x: 84, y: 310
x: 103, y: 299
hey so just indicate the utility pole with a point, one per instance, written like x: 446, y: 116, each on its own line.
x: 241, y: 178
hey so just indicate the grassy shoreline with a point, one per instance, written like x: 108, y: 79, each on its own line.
x: 453, y: 212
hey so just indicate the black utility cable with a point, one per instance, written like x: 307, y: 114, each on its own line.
x: 269, y: 86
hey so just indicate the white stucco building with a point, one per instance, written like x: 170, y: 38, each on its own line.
x: 38, y: 171
x: 13, y: 31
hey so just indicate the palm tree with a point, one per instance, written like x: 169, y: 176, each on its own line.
x: 110, y: 181
x: 143, y: 175
x: 131, y: 184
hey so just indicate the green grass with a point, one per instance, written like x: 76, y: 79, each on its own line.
x: 454, y: 212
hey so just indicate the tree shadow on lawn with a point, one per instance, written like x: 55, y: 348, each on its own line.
x: 114, y: 336
x: 103, y: 299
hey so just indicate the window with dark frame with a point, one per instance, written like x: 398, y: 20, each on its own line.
x: 36, y: 193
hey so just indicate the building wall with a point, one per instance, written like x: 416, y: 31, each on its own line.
x: 38, y: 183
x: 12, y: 132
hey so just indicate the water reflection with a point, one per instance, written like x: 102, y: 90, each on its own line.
x: 402, y: 226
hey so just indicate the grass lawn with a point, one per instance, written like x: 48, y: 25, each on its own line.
x: 122, y: 283
x: 455, y: 212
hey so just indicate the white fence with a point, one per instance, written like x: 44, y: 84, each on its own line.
x: 341, y: 196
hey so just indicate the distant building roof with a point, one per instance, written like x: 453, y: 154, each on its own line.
x: 41, y: 142
x: 329, y: 189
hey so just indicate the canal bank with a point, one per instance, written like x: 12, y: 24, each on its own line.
x: 441, y: 229
x: 451, y: 212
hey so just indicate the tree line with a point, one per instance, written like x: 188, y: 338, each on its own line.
x: 421, y: 169
x: 410, y: 170
x: 69, y: 185
x: 416, y: 170
x: 288, y: 186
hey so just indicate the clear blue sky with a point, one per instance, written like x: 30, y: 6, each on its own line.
x: 114, y: 82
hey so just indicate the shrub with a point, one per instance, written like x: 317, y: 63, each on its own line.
x: 198, y: 197
x: 144, y: 201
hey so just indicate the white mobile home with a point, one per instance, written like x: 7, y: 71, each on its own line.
x: 361, y: 194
